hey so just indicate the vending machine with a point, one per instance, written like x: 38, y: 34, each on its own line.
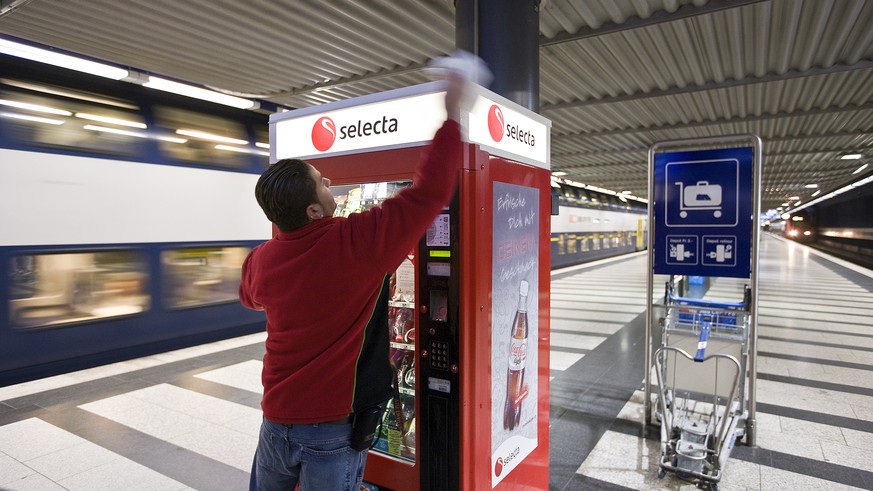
x: 469, y: 307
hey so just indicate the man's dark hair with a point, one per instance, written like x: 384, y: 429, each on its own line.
x: 284, y: 191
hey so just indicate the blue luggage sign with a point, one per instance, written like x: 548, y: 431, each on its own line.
x: 702, y: 209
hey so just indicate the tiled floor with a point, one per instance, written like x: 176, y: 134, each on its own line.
x: 188, y: 419
x: 814, y: 396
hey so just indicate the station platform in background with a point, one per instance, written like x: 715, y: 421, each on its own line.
x: 189, y: 419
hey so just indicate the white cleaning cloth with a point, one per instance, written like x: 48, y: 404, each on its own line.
x: 465, y: 64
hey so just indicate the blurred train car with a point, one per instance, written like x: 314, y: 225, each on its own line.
x: 800, y: 226
x: 841, y: 225
x: 126, y: 214
x: 589, y: 225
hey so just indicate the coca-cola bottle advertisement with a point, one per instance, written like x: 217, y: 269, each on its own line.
x: 514, y: 329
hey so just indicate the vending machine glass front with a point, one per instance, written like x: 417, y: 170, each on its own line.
x: 396, y: 435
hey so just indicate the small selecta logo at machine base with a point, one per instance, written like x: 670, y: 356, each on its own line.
x: 498, y: 128
x: 501, y: 462
x: 325, y: 131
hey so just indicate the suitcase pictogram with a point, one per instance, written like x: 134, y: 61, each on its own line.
x: 700, y: 196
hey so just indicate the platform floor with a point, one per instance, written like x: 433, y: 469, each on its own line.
x: 189, y: 419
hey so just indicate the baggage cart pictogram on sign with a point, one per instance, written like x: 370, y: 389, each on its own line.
x: 701, y: 196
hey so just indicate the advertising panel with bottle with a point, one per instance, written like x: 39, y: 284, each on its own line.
x: 515, y: 324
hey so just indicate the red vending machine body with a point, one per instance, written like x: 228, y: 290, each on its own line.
x: 469, y: 313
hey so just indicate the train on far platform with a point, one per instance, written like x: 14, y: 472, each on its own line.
x: 126, y: 214
x: 841, y: 225
x: 588, y: 225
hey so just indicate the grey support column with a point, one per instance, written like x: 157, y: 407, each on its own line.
x: 506, y: 35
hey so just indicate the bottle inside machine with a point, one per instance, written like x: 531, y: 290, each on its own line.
x: 396, y: 435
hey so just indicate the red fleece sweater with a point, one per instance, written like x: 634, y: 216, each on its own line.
x: 323, y: 289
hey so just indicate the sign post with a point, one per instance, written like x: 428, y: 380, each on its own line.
x: 705, y: 203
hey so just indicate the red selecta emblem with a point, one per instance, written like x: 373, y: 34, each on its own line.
x: 496, y: 123
x: 498, y: 466
x: 323, y: 133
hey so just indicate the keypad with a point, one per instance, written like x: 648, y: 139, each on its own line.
x: 439, y: 355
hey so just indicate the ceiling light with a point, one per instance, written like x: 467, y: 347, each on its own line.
x: 210, y: 136
x: 262, y: 145
x: 559, y: 173
x: 241, y: 150
x: 859, y: 169
x: 199, y: 93
x: 793, y: 198
x: 851, y: 156
x: 35, y: 119
x: 34, y: 107
x: 816, y: 193
x: 786, y: 204
x: 107, y: 119
x: 137, y: 134
x: 811, y: 186
x: 171, y: 139
x: 61, y: 60
x: 117, y: 131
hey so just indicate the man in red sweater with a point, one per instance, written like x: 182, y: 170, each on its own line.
x: 323, y: 283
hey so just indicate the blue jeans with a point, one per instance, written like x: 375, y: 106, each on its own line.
x: 317, y: 456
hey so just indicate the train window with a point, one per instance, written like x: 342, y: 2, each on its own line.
x: 50, y: 117
x: 202, y: 275
x: 583, y: 197
x: 567, y: 195
x: 262, y: 146
x: 59, y: 288
x: 595, y: 200
x: 203, y: 139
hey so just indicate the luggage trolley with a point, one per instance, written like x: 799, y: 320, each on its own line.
x: 700, y: 374
x: 701, y: 355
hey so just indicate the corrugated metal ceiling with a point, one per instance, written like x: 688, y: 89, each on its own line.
x: 616, y: 76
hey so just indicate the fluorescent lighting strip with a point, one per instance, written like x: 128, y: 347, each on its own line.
x: 61, y: 60
x: 198, y: 93
x: 34, y: 107
x: 211, y: 137
x: 137, y: 134
x: 107, y: 119
x: 230, y: 148
x: 27, y: 117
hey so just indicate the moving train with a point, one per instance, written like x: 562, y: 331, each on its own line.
x: 126, y: 213
x: 841, y: 225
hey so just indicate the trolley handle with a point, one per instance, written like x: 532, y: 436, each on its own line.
x: 699, y: 302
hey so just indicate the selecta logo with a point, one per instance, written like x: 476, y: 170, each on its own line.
x: 495, y: 123
x: 498, y: 127
x: 323, y: 133
x: 498, y: 466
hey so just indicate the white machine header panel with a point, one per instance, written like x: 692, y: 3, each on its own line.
x: 408, y: 117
